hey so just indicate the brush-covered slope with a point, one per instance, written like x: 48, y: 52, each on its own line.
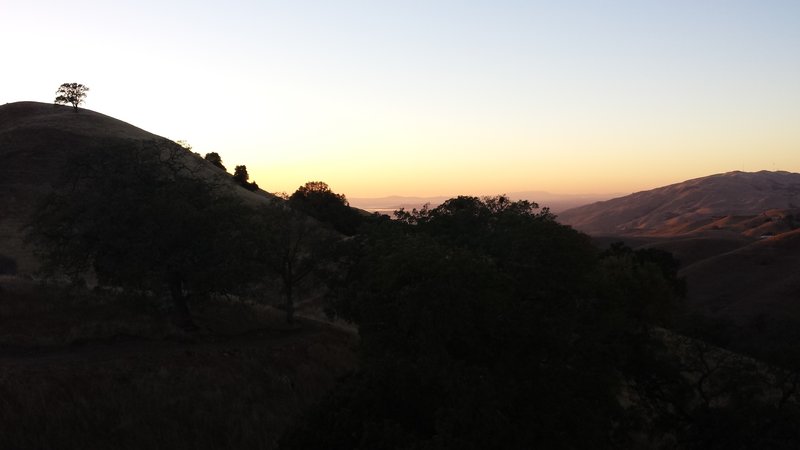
x: 37, y: 140
x: 741, y: 202
x: 759, y: 279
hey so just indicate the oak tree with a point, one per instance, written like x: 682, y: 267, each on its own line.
x: 241, y: 176
x: 316, y: 199
x: 71, y: 93
x: 136, y: 217
x: 216, y: 160
x: 292, y: 247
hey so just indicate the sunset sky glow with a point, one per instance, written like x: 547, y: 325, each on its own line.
x: 433, y: 97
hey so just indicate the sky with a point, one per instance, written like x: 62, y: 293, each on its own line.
x: 433, y: 97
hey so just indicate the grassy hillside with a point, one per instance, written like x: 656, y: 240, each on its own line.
x: 736, y: 237
x: 106, y: 367
x: 36, y: 141
x: 690, y: 206
x: 93, y: 370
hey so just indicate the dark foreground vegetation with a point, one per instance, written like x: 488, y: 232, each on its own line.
x: 486, y: 324
x: 482, y: 324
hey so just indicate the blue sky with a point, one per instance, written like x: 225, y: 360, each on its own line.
x: 435, y: 97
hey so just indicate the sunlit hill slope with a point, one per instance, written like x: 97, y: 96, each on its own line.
x: 742, y: 202
x: 736, y: 235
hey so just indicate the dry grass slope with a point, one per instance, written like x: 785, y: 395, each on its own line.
x: 93, y: 370
x: 691, y: 205
x: 97, y: 369
x: 36, y: 140
x: 735, y: 234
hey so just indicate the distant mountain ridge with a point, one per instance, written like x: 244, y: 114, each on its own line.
x: 736, y: 234
x: 736, y: 201
x: 556, y: 202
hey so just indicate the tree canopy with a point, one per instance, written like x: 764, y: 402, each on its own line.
x: 293, y: 247
x: 71, y: 93
x: 137, y: 217
x: 483, y: 325
x: 216, y: 160
x: 316, y: 199
x: 241, y: 176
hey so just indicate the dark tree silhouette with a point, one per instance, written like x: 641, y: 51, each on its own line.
x: 485, y: 324
x: 136, y: 217
x: 316, y: 199
x: 476, y: 333
x: 241, y: 176
x: 292, y: 246
x: 71, y: 93
x: 318, y: 188
x: 216, y: 160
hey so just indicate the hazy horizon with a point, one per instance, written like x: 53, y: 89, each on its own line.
x: 434, y: 98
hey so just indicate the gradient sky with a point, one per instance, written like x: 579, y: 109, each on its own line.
x: 433, y: 97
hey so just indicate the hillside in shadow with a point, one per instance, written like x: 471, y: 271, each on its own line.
x: 152, y: 300
x: 37, y: 140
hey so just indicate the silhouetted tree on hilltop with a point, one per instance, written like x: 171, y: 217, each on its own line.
x: 241, y: 176
x: 216, y: 160
x: 72, y: 93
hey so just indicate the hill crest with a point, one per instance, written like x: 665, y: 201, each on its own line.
x: 693, y: 205
x: 37, y: 115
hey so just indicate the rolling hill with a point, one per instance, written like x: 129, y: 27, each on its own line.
x: 736, y: 234
x: 37, y: 139
x: 739, y: 202
x: 103, y: 368
x: 113, y: 370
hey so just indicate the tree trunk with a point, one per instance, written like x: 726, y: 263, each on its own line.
x: 181, y: 316
x: 289, y: 304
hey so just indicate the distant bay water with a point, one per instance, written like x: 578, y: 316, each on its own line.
x: 557, y: 203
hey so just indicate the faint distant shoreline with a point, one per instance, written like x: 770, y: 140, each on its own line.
x: 556, y: 202
x: 385, y: 211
